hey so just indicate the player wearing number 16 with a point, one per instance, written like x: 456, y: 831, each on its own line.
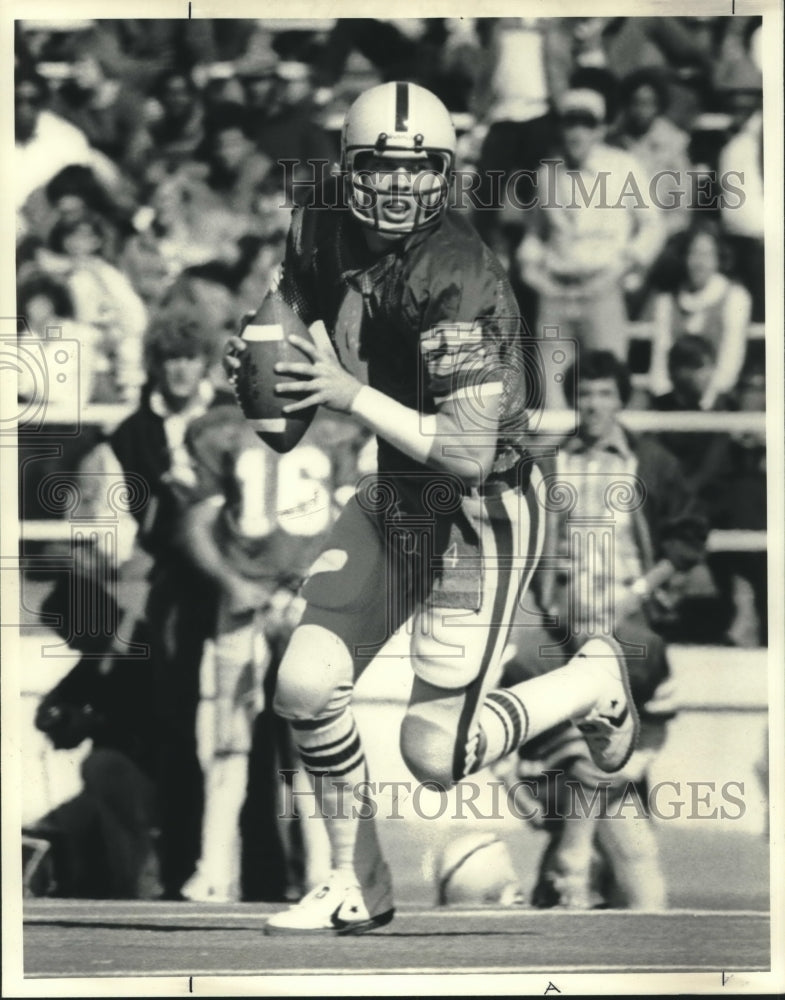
x: 425, y: 350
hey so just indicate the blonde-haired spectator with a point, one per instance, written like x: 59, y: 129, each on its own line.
x: 707, y: 302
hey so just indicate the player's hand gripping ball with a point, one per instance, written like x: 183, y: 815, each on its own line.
x: 251, y: 361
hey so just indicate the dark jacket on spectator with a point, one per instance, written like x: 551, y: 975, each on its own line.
x: 702, y: 457
x: 675, y: 519
x: 140, y: 445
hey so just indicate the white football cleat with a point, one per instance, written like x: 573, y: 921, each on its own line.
x: 338, y: 906
x: 611, y: 727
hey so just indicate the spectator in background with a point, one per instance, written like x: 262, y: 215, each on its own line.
x: 743, y: 220
x: 51, y: 344
x: 741, y: 504
x: 208, y: 289
x: 108, y: 112
x: 45, y: 142
x: 515, y: 89
x: 45, y: 306
x: 253, y: 273
x: 707, y: 302
x: 102, y: 841
x: 423, y: 50
x: 180, y: 608
x: 691, y: 364
x: 288, y: 129
x: 704, y: 458
x: 74, y: 193
x: 105, y: 299
x: 256, y: 75
x: 182, y: 226
x: 231, y: 534
x: 653, y: 541
x: 586, y: 41
x: 176, y: 130
x: 646, y: 132
x: 142, y: 49
x: 237, y: 171
x: 588, y: 240
x: 684, y: 45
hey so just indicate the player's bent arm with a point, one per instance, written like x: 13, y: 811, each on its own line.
x: 198, y: 542
x: 436, y: 440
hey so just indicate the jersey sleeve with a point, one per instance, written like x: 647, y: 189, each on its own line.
x: 470, y: 331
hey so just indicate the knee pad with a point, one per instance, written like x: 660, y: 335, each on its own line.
x: 427, y: 747
x: 315, y: 679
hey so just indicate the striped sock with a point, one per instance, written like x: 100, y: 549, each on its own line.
x: 332, y: 754
x: 505, y: 723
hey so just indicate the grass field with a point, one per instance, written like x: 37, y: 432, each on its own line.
x: 718, y: 927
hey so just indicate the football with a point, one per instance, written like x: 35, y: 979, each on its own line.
x: 267, y: 335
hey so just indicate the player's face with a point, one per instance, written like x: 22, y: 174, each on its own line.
x: 402, y: 186
x: 598, y: 404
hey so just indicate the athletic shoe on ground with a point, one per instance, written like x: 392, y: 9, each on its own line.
x: 611, y: 727
x: 338, y: 906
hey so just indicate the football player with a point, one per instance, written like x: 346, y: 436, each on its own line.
x: 427, y: 354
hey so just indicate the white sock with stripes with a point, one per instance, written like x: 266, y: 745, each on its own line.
x: 332, y: 754
x: 505, y: 724
x: 511, y: 716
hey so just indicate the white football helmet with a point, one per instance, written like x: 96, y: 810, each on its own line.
x: 397, y: 154
x: 476, y: 869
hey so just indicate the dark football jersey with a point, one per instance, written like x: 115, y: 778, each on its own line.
x: 279, y: 559
x: 433, y: 318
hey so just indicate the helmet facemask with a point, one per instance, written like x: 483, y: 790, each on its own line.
x: 397, y: 191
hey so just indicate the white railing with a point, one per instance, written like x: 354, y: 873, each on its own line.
x: 552, y: 422
x: 109, y: 415
x: 718, y: 541
x: 644, y: 330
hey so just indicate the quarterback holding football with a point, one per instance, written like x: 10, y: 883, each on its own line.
x: 426, y: 351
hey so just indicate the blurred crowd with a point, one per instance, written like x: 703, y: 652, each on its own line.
x: 156, y: 163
